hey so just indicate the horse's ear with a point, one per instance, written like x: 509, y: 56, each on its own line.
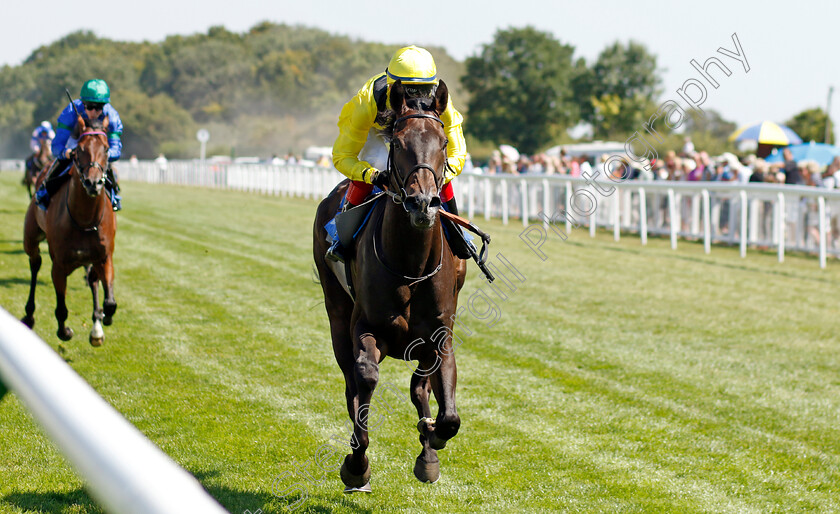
x: 441, y: 97
x: 79, y: 128
x: 381, y: 101
x: 105, y: 124
x: 397, y: 95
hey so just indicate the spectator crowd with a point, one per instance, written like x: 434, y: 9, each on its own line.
x: 689, y: 165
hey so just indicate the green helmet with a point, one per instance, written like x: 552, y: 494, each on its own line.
x: 96, y: 90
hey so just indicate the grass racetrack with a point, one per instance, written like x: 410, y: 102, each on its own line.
x: 620, y: 378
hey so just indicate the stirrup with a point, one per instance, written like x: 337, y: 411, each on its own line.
x: 334, y: 252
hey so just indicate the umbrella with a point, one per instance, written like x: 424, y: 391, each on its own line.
x: 509, y: 152
x: 766, y: 133
x: 818, y: 152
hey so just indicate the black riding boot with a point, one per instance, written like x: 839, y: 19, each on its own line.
x: 461, y: 246
x: 452, y: 206
x: 114, y: 189
x: 52, y: 183
x: 336, y: 251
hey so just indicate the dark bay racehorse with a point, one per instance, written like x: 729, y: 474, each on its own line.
x: 79, y: 227
x: 407, y: 282
x: 35, y: 163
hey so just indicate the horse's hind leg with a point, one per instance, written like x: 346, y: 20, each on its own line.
x: 34, y: 266
x: 97, y: 335
x: 60, y: 283
x: 31, y: 234
x: 110, y: 304
x: 427, y: 465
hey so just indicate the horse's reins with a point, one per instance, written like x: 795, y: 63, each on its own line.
x: 92, y: 228
x: 402, y: 196
x: 92, y: 164
x: 480, y: 257
x: 414, y: 280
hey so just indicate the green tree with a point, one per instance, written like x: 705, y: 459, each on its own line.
x: 264, y: 91
x: 152, y: 121
x: 619, y: 90
x: 519, y: 89
x: 810, y: 125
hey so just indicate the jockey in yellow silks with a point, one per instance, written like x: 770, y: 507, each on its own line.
x: 361, y: 150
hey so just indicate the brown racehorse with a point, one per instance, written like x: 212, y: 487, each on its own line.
x: 407, y: 282
x: 79, y: 227
x: 36, y: 163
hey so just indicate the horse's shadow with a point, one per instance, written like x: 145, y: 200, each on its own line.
x: 233, y: 500
x: 15, y: 246
x: 51, y: 502
x: 16, y: 281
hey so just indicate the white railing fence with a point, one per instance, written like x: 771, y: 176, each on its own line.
x: 124, y: 471
x: 11, y: 165
x: 763, y: 216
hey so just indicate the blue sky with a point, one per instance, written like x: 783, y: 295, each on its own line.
x: 791, y: 47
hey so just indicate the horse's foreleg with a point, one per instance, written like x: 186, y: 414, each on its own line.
x: 109, y: 305
x: 34, y: 266
x: 355, y: 472
x: 443, y: 382
x: 59, y: 279
x: 427, y: 465
x: 97, y: 335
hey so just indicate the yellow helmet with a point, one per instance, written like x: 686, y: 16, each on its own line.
x: 412, y: 65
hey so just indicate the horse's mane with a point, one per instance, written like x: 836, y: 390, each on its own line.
x: 89, y: 125
x: 386, y: 116
x: 96, y: 124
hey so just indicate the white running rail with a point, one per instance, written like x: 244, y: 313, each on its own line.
x: 753, y: 215
x: 124, y: 471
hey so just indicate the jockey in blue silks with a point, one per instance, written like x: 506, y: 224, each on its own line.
x: 43, y: 132
x: 92, y: 104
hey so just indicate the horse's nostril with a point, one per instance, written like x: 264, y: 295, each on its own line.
x: 435, y: 203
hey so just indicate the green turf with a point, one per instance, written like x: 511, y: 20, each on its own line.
x: 619, y: 378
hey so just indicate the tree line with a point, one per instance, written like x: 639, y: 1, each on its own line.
x: 278, y: 88
x: 273, y: 89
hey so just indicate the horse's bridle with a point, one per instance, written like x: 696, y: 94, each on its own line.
x: 91, y: 164
x: 83, y: 175
x: 399, y: 198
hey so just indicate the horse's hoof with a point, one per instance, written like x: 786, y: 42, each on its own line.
x: 354, y: 481
x: 29, y: 321
x: 364, y: 489
x: 427, y: 472
x: 97, y: 335
x: 107, y: 320
x: 66, y: 334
